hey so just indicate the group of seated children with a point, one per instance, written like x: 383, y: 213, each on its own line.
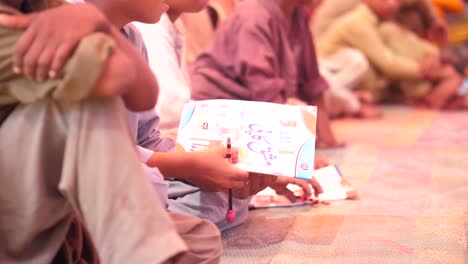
x: 94, y: 180
x: 403, y: 66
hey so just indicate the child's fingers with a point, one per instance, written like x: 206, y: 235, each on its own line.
x: 17, y: 21
x: 239, y: 185
x: 290, y: 195
x: 238, y: 182
x: 30, y: 59
x: 64, y: 51
x: 235, y: 155
x: 239, y: 174
x: 24, y: 43
x: 304, y: 186
x: 44, y: 63
x: 316, y: 186
x: 240, y: 193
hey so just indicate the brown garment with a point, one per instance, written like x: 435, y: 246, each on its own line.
x: 405, y: 43
x: 361, y: 29
x: 255, y: 56
x: 5, y: 111
x: 69, y: 86
x: 68, y: 169
x: 331, y: 10
x: 58, y: 163
x: 78, y: 246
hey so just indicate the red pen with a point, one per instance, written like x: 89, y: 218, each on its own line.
x: 230, y: 215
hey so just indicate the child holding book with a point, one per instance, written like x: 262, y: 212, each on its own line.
x: 197, y: 181
x: 70, y: 166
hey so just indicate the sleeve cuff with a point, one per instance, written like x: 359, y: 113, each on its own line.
x: 144, y: 155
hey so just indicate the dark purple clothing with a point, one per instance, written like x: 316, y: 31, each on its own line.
x: 259, y: 54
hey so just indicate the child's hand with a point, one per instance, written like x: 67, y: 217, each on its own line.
x: 280, y: 186
x: 439, y: 32
x: 257, y: 182
x: 51, y: 37
x: 431, y: 67
x: 213, y: 173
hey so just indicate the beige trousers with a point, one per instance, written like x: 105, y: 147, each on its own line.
x: 407, y: 44
x: 58, y: 161
x: 343, y: 71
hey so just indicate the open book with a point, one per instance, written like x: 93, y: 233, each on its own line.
x: 272, y: 139
x: 334, y: 186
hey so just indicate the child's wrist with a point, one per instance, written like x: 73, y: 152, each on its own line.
x: 190, y: 167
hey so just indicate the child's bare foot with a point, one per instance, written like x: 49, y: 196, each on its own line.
x: 369, y: 111
x: 459, y: 103
x: 325, y: 136
x: 439, y: 96
x: 320, y: 162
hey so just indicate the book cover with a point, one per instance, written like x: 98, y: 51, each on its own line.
x: 272, y: 139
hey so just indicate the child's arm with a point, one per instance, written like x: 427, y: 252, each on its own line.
x: 141, y: 85
x: 209, y: 170
x: 123, y: 71
x: 51, y: 36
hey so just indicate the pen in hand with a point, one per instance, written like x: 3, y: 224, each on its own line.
x: 230, y: 215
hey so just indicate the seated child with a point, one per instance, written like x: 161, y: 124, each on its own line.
x: 165, y: 44
x: 257, y: 56
x: 198, y: 181
x: 167, y: 51
x: 417, y: 15
x: 435, y: 92
x: 69, y: 171
x: 415, y: 71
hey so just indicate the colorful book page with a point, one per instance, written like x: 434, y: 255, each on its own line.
x: 272, y: 139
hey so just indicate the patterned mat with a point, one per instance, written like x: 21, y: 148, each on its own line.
x: 411, y: 169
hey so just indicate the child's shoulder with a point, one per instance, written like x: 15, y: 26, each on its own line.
x: 251, y: 16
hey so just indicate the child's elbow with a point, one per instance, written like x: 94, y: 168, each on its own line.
x: 140, y: 104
